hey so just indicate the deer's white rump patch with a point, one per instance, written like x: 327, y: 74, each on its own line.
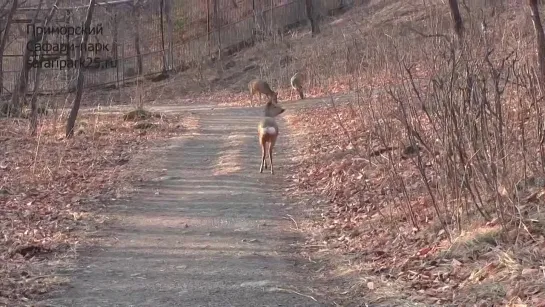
x: 270, y: 130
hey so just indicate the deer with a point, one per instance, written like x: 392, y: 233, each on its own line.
x: 259, y: 86
x: 297, y: 83
x: 268, y: 132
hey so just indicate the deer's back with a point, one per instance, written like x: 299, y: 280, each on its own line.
x: 297, y: 80
x: 260, y: 86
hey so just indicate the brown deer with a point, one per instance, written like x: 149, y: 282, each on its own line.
x: 297, y: 83
x: 259, y: 86
x: 268, y: 133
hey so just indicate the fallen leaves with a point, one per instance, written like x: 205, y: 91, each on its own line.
x: 424, y: 251
x: 50, y: 190
x: 370, y: 202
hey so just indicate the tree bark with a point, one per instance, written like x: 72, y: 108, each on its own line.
x: 115, y: 53
x: 2, y: 8
x: 72, y: 86
x: 540, y: 38
x: 168, y: 13
x: 456, y: 17
x: 37, y: 71
x: 68, y: 52
x: 315, y: 27
x: 20, y: 89
x: 77, y: 100
x: 162, y: 5
x: 217, y: 25
x: 4, y: 40
x: 136, y: 16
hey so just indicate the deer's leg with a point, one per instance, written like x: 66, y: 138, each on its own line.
x: 271, y: 155
x: 262, y: 157
x: 265, y: 149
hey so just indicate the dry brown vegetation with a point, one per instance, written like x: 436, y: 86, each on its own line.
x: 344, y: 57
x: 428, y: 183
x: 52, y: 190
x: 430, y: 180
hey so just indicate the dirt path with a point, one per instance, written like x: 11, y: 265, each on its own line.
x: 211, y: 232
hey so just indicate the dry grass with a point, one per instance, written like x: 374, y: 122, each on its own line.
x: 52, y: 189
x: 429, y: 182
x: 447, y: 224
x: 368, y: 223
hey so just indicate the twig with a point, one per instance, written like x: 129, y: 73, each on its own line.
x: 435, y: 35
x: 295, y: 292
x: 295, y: 222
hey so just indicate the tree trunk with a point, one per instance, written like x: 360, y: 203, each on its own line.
x: 315, y: 27
x: 217, y: 25
x: 136, y: 14
x: 115, y: 53
x: 540, y: 38
x: 77, y: 100
x: 4, y: 40
x: 456, y: 17
x: 208, y: 28
x: 37, y: 71
x: 20, y: 88
x: 162, y: 5
x: 2, y: 8
x: 68, y: 52
x: 271, y: 27
x: 72, y: 86
x: 168, y: 13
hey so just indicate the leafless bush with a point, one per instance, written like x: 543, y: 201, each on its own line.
x: 473, y: 122
x: 442, y: 142
x: 466, y: 113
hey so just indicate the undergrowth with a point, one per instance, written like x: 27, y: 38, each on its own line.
x: 52, y: 192
x: 432, y: 174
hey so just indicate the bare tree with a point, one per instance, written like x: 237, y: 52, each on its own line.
x: 315, y: 27
x: 136, y: 19
x: 162, y: 8
x: 77, y: 100
x: 68, y: 55
x: 115, y: 51
x: 21, y: 87
x: 37, y: 71
x: 2, y: 9
x: 456, y: 17
x: 540, y: 37
x: 4, y: 40
x: 217, y: 25
x: 168, y: 13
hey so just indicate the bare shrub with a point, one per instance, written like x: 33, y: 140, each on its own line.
x: 443, y: 138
